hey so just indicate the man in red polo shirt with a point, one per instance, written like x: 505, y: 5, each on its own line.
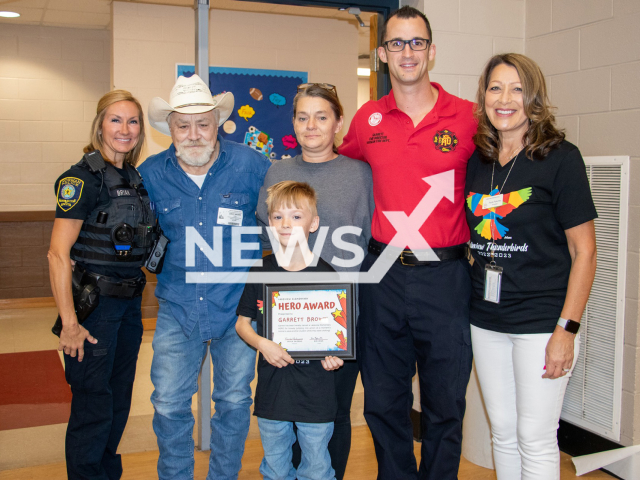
x: 419, y: 313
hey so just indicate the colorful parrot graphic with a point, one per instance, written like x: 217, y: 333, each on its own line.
x: 490, y: 216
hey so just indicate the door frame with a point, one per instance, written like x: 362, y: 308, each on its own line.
x: 381, y: 7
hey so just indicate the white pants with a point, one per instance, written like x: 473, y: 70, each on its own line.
x: 523, y: 407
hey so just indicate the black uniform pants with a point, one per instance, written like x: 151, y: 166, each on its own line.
x: 102, y: 385
x: 416, y: 315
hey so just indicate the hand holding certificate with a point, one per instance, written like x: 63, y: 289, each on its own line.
x: 311, y: 321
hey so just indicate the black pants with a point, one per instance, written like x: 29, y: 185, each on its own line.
x: 102, y: 385
x: 416, y: 315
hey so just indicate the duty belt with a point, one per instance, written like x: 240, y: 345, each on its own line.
x: 408, y: 258
x: 111, y: 286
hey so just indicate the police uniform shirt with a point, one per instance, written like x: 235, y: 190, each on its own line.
x: 78, y: 193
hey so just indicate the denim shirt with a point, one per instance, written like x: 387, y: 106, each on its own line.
x: 233, y: 182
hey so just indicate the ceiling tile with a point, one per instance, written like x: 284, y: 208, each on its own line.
x: 242, y: 6
x: 10, y: 4
x: 76, y: 19
x: 30, y: 16
x: 93, y: 6
x: 177, y: 3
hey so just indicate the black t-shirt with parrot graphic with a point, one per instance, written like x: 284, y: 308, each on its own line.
x: 540, y: 200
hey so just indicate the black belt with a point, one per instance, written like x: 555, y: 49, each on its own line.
x: 407, y: 257
x: 111, y: 286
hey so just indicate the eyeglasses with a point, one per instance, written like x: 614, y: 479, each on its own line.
x: 327, y: 86
x: 416, y: 44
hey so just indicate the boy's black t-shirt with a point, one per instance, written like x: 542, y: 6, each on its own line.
x: 88, y: 193
x: 302, y: 392
x: 541, y: 200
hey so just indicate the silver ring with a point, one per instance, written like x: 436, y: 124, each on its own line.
x: 566, y: 370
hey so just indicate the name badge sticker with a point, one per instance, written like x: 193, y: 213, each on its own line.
x: 229, y: 216
x: 492, y: 202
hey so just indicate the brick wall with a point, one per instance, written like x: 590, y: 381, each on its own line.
x: 466, y: 34
x: 50, y: 81
x: 589, y: 51
x: 24, y: 271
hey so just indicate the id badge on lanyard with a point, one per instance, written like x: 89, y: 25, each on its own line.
x: 492, y: 272
x: 492, y: 282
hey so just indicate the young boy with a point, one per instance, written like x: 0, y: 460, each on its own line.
x: 288, y: 391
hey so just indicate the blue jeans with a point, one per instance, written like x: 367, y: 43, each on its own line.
x: 102, y: 385
x: 277, y: 440
x: 174, y: 373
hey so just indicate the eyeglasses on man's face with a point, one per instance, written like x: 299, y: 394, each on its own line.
x: 397, y: 45
x: 327, y: 86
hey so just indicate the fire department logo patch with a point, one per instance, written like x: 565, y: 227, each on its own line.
x: 445, y: 141
x: 375, y: 119
x: 69, y: 192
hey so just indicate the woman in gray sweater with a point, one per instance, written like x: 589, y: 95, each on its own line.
x: 345, y: 205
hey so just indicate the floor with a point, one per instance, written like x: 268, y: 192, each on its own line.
x: 37, y: 451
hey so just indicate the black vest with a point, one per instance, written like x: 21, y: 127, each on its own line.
x: 128, y: 204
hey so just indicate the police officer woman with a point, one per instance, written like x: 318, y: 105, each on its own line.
x: 102, y: 234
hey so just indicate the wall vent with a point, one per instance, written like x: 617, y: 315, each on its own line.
x: 594, y: 394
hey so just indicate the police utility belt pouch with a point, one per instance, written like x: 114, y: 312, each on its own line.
x: 86, y: 297
x: 156, y: 257
x: 407, y: 257
x: 89, y: 288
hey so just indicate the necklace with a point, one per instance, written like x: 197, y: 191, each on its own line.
x: 514, y: 157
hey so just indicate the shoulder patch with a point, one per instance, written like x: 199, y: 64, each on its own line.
x: 69, y: 192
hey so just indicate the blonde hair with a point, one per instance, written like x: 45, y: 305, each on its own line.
x: 290, y: 194
x: 105, y: 102
x: 542, y: 136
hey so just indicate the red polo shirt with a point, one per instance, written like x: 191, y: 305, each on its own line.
x: 401, y: 155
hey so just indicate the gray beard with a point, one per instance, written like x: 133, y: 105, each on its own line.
x: 194, y: 160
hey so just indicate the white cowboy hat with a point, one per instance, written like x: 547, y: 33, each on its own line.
x: 189, y: 95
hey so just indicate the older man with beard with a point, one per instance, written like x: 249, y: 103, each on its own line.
x: 200, y: 187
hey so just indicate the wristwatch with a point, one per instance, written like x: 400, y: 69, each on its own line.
x: 570, y: 326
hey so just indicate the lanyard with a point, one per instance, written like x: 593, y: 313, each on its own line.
x: 514, y: 157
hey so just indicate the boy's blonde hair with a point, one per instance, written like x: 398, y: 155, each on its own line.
x: 290, y: 194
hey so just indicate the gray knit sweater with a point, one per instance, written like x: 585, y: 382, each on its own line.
x: 345, y: 197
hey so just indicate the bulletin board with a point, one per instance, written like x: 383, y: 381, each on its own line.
x: 263, y: 108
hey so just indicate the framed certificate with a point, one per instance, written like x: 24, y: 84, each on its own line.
x: 311, y: 321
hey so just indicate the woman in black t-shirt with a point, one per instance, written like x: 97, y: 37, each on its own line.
x: 530, y: 213
x: 103, y: 226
